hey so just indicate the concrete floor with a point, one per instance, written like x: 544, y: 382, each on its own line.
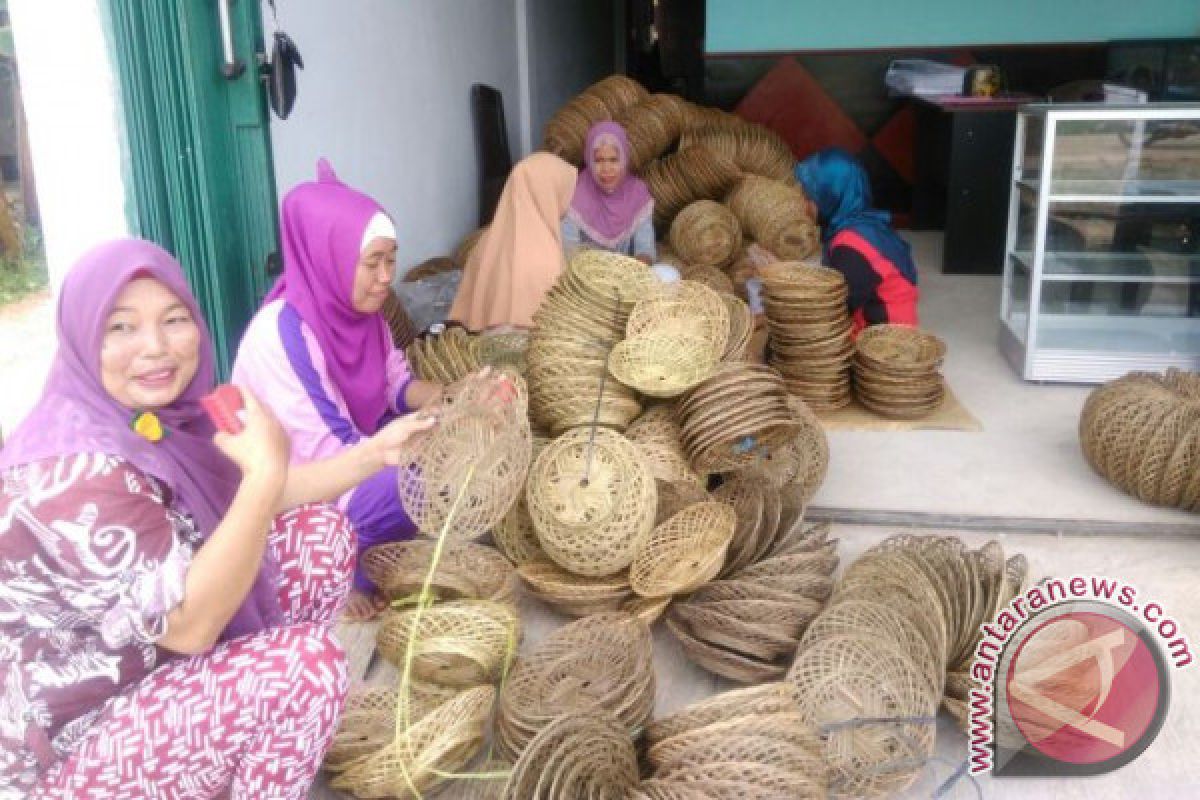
x: 1026, y: 463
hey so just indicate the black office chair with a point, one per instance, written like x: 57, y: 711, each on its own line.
x: 491, y: 139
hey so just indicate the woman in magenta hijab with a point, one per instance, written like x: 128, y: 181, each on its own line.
x: 162, y: 632
x: 320, y: 354
x: 611, y: 209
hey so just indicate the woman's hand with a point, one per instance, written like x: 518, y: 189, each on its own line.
x: 262, y: 448
x: 387, y: 443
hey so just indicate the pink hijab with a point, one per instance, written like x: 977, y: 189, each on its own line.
x: 609, y: 218
x: 322, y: 229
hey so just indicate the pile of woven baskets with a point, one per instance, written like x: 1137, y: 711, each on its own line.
x: 872, y: 668
x: 1141, y: 432
x: 453, y: 630
x: 896, y: 371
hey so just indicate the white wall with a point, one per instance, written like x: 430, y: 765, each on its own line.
x: 385, y: 95
x: 571, y: 45
x: 70, y: 93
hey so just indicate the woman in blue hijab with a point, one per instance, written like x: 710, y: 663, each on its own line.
x: 859, y: 241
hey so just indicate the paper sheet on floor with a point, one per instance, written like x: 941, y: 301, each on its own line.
x: 951, y: 415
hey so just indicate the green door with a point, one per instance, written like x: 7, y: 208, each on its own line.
x: 199, y: 148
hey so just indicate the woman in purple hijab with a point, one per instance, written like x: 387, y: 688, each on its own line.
x: 320, y: 354
x: 611, y: 209
x: 162, y: 631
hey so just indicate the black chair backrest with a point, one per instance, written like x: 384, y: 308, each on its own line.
x: 491, y: 139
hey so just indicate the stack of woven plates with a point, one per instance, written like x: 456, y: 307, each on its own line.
x: 896, y: 371
x: 602, y: 662
x: 809, y: 331
x: 747, y: 743
x: 735, y: 417
x: 446, y: 357
x: 746, y: 627
x: 579, y: 321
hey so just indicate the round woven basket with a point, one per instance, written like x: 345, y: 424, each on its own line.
x: 465, y: 570
x: 755, y: 149
x: 683, y: 307
x: 706, y: 233
x: 580, y: 754
x: 566, y: 131
x: 399, y: 323
x: 711, y: 277
x: 741, y: 327
x: 900, y: 349
x: 600, y: 662
x: 368, y: 720
x: 775, y: 214
x: 874, y: 708
x: 617, y: 92
x: 691, y: 173
x: 442, y: 741
x: 464, y: 643
x: 653, y: 125
x: 577, y: 595
x: 1141, y: 432
x: 592, y: 500
x: 684, y: 552
x: 656, y: 434
x: 755, y: 701
x: 662, y: 363
x: 473, y: 463
x: 675, y: 497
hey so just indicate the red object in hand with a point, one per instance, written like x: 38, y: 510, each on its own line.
x: 222, y: 407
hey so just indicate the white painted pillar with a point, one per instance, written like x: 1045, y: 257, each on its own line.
x: 69, y: 85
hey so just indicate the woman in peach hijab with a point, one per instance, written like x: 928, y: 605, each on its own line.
x: 520, y: 256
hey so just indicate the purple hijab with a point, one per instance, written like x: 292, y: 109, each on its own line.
x: 77, y: 415
x: 609, y: 218
x: 322, y: 227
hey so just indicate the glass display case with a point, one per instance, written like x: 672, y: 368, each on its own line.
x: 1102, y: 259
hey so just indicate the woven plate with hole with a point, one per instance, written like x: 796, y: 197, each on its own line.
x: 443, y: 741
x: 592, y: 503
x: 463, y: 643
x: 684, y: 552
x: 602, y: 276
x: 465, y: 569
x: 662, y: 364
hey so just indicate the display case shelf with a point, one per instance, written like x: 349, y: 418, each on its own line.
x: 1102, y: 269
x: 1176, y: 268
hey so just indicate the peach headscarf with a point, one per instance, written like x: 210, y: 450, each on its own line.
x: 520, y: 256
